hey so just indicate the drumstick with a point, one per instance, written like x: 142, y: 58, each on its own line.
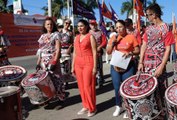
x: 143, y: 81
x: 138, y: 76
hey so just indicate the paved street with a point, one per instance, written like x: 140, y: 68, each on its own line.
x: 69, y: 108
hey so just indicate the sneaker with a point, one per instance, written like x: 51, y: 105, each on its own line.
x: 83, y: 111
x: 125, y: 115
x: 90, y: 114
x: 117, y: 111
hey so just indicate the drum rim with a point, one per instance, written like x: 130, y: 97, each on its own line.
x: 139, y: 96
x: 19, y: 77
x: 168, y: 100
x: 9, y: 93
x: 25, y: 85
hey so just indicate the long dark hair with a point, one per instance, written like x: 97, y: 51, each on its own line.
x: 86, y: 24
x: 156, y: 9
x: 53, y: 23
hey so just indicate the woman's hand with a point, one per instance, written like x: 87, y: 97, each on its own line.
x: 38, y: 67
x: 127, y: 54
x: 159, y: 71
x: 140, y: 67
x: 94, y: 71
x: 73, y: 71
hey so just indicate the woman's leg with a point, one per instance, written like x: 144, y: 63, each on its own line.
x: 116, y: 79
x: 89, y: 81
x: 80, y: 82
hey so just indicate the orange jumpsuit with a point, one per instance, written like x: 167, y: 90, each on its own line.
x: 83, y: 67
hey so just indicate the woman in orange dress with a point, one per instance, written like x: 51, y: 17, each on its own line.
x: 84, y: 67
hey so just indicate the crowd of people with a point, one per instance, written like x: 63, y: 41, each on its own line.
x: 67, y: 57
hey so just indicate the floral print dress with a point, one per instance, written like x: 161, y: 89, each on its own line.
x: 47, y: 52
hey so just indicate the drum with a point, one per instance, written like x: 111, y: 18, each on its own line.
x: 142, y: 102
x: 171, y: 101
x: 11, y: 75
x: 39, y: 87
x: 10, y: 103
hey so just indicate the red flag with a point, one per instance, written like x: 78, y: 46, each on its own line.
x: 139, y: 7
x: 105, y: 11
x: 139, y: 23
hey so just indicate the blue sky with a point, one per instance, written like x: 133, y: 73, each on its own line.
x: 34, y: 7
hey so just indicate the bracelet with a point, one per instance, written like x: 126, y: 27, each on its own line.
x: 141, y: 63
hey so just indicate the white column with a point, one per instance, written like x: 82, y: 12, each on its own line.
x: 17, y: 6
x: 49, y: 8
x: 68, y: 7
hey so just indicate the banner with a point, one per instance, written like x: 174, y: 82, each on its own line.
x: 23, y: 37
x: 26, y: 20
x: 79, y: 9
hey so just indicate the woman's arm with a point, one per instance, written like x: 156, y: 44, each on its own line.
x: 136, y: 51
x: 94, y: 51
x: 39, y: 60
x: 57, y: 50
x: 73, y: 61
x: 143, y: 48
x: 110, y: 47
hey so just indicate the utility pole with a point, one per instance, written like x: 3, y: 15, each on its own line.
x: 50, y: 8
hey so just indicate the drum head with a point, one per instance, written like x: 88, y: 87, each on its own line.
x: 33, y: 79
x: 8, y: 90
x: 129, y: 90
x: 11, y: 73
x: 171, y: 94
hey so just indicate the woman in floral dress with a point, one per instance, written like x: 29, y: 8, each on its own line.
x: 49, y: 53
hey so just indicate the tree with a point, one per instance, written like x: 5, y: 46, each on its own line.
x: 127, y: 7
x: 3, y: 5
x: 58, y: 7
x: 9, y: 9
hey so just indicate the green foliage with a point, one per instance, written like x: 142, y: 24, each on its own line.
x: 127, y: 7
